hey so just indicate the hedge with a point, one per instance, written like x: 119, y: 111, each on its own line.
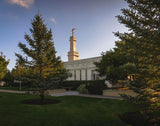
x: 93, y: 86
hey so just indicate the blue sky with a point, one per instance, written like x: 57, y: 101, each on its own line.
x: 94, y: 21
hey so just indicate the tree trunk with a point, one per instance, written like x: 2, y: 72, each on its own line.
x: 41, y: 81
x: 42, y: 96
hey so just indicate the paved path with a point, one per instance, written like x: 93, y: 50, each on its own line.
x: 12, y: 91
x: 76, y: 93
x: 99, y: 96
x: 67, y: 93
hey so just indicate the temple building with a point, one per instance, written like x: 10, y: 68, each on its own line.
x: 80, y: 69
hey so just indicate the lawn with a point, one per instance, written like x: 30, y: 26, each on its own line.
x: 71, y: 111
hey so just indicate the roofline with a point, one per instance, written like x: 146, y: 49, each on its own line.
x: 83, y: 59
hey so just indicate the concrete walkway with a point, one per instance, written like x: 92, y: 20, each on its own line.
x: 67, y: 93
x: 76, y: 93
x: 100, y: 96
x: 12, y: 91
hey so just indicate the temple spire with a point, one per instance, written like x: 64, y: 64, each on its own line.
x: 73, y: 54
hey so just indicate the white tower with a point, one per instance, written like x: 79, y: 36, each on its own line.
x: 73, y: 54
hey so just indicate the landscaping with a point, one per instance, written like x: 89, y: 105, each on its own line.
x: 70, y: 111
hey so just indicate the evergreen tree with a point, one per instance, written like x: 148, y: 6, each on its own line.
x: 44, y: 66
x: 139, y: 54
x: 3, y: 66
x: 142, y: 44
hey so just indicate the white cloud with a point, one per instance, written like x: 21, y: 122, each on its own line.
x: 23, y: 3
x: 53, y: 20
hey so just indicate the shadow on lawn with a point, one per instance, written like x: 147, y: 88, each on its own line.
x: 138, y: 119
x: 39, y: 102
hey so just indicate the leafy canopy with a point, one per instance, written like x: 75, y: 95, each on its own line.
x: 3, y: 66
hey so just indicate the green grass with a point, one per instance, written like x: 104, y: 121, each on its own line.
x: 72, y: 111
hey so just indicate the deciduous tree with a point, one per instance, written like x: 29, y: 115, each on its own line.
x: 3, y: 66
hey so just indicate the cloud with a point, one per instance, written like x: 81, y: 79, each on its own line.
x: 53, y: 20
x: 23, y: 3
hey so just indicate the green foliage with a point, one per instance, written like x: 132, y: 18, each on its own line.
x: 96, y: 88
x: 73, y: 84
x: 76, y: 84
x: 137, y: 53
x: 93, y: 86
x: 142, y: 44
x: 82, y: 89
x: 112, y: 64
x: 24, y: 74
x: 40, y: 65
x: 3, y: 66
x: 8, y: 78
x: 130, y: 68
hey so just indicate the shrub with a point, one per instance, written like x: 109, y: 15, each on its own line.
x: 76, y: 84
x: 82, y: 89
x: 96, y: 88
x: 93, y: 86
x: 73, y: 84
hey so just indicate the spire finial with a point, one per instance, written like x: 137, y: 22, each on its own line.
x: 73, y: 31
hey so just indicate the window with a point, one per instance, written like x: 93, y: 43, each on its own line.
x: 69, y: 74
x: 80, y: 75
x: 86, y: 74
x: 74, y: 74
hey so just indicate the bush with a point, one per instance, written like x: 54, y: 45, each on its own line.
x: 96, y: 88
x: 82, y: 89
x: 93, y: 86
x: 73, y: 84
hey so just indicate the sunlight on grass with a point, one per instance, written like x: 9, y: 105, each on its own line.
x: 71, y: 111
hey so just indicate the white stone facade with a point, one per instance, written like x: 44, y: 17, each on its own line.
x: 83, y: 69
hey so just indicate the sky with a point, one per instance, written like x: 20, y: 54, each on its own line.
x: 94, y: 21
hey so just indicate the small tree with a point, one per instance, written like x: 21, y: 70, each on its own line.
x: 112, y: 62
x: 3, y: 66
x: 8, y: 78
x: 44, y: 66
x: 19, y: 71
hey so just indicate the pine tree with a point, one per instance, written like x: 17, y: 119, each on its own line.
x: 3, y: 66
x: 44, y: 66
x: 142, y: 44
